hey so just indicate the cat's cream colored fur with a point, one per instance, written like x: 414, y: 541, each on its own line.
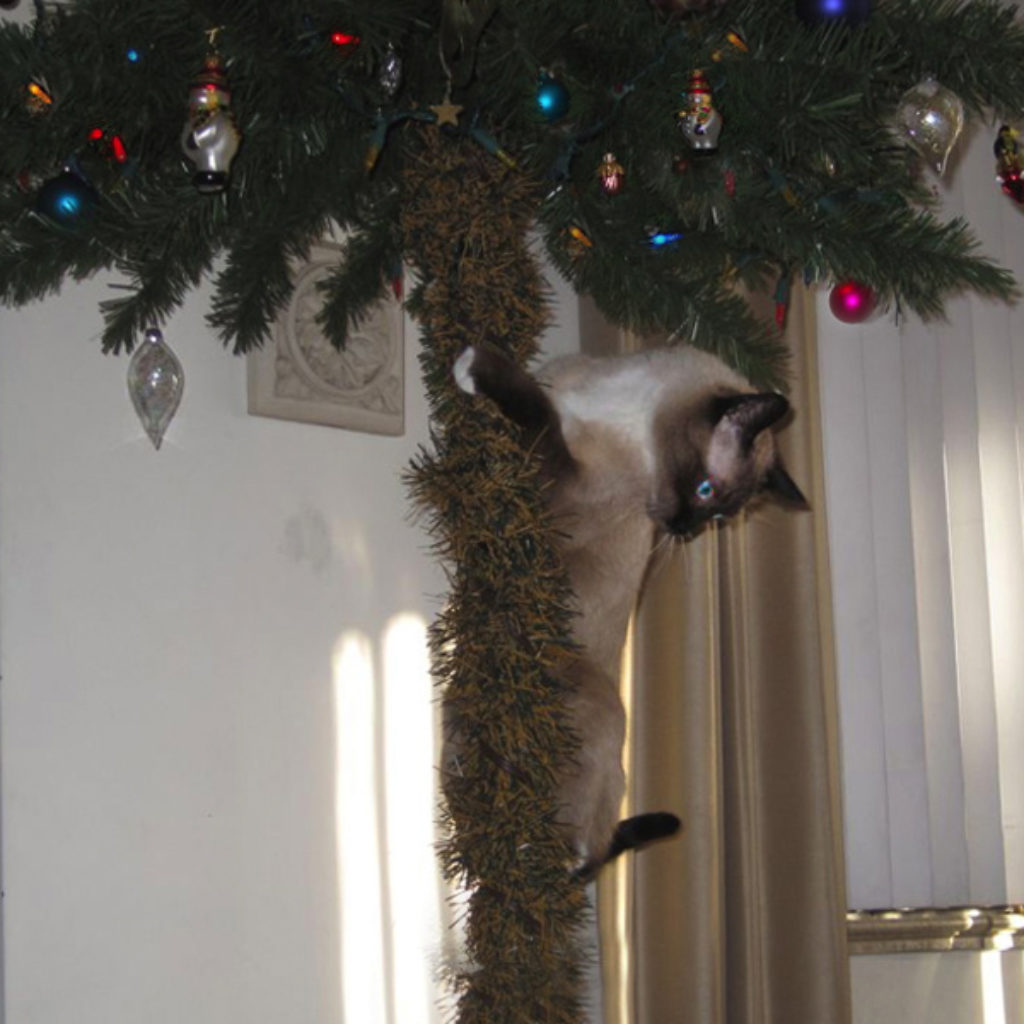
x: 624, y: 435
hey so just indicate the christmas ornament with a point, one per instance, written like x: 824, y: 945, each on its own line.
x: 931, y: 117
x: 552, y: 97
x: 38, y: 100
x: 155, y: 384
x: 663, y: 239
x: 1008, y: 163
x: 781, y: 302
x: 389, y: 74
x: 397, y: 274
x: 579, y: 241
x: 447, y: 112
x: 699, y: 122
x: 735, y: 40
x: 27, y: 182
x: 490, y: 144
x: 68, y: 199
x: 110, y: 145
x: 778, y: 179
x: 210, y: 139
x: 819, y: 12
x: 103, y: 162
x: 852, y: 302
x: 611, y: 175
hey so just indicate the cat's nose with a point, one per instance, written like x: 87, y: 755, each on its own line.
x: 685, y: 527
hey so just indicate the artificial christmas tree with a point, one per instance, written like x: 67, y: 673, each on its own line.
x: 440, y: 134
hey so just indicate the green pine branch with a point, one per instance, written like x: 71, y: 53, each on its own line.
x: 818, y: 182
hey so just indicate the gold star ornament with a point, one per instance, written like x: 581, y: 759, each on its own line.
x: 447, y: 112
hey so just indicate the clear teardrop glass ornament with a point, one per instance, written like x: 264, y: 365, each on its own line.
x: 156, y: 381
x: 931, y: 117
x: 390, y: 73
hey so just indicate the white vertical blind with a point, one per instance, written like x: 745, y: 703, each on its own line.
x: 923, y: 428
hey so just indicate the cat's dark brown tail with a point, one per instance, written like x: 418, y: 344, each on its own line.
x: 634, y: 834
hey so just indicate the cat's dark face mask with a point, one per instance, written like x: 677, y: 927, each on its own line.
x: 718, y: 460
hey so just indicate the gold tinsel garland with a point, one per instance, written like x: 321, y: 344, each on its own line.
x: 499, y: 642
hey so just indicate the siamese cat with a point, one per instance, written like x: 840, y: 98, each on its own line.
x: 631, y: 449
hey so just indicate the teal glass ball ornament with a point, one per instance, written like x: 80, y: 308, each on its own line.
x: 67, y: 199
x: 552, y: 98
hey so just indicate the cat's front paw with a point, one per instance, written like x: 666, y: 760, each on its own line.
x: 463, y: 371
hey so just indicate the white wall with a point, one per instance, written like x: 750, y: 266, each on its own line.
x: 174, y: 629
x: 939, y: 988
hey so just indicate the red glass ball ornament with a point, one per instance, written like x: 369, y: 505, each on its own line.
x: 852, y: 302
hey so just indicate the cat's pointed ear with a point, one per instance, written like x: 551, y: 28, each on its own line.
x: 780, y: 484
x: 749, y: 414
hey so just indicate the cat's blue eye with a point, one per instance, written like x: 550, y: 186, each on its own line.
x: 705, y: 490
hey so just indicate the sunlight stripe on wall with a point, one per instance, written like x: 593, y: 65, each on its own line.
x: 410, y: 800
x: 363, y: 989
x: 992, y: 994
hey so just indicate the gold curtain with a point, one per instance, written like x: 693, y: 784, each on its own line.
x: 730, y: 690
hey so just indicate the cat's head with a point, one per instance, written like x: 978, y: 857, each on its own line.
x: 714, y: 457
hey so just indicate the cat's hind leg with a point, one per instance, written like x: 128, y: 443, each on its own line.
x: 484, y: 370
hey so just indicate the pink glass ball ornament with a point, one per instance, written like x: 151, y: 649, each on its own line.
x: 852, y: 302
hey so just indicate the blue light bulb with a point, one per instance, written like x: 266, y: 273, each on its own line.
x: 660, y: 239
x: 133, y: 55
x: 819, y: 12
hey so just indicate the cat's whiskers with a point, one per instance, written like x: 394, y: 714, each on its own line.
x: 663, y: 552
x: 662, y: 547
